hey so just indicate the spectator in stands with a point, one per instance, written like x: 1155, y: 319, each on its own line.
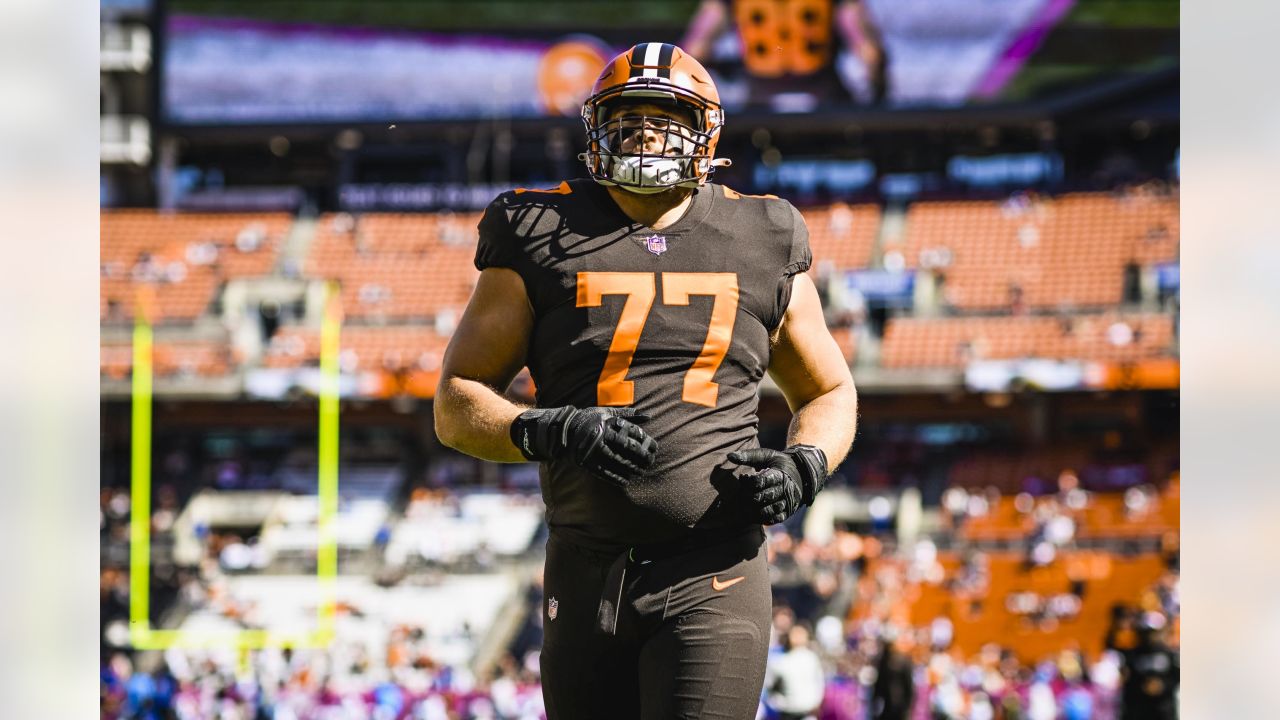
x: 794, y: 679
x: 1070, y: 494
x: 1041, y: 704
x: 251, y: 238
x: 894, y: 690
x: 1017, y: 300
x: 1016, y: 205
x: 1151, y: 672
x: 146, y: 269
x: 980, y: 707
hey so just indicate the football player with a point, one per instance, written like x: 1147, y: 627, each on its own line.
x: 648, y: 303
x: 789, y: 47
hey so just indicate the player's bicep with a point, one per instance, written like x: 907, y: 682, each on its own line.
x: 806, y: 362
x: 491, y: 340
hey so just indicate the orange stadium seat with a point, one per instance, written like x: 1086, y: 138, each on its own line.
x: 1069, y: 251
x: 184, y: 256
x: 984, y: 618
x: 390, y: 348
x: 397, y: 265
x: 844, y: 235
x: 953, y: 342
x: 201, y: 358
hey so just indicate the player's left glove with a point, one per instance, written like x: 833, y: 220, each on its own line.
x: 783, y: 481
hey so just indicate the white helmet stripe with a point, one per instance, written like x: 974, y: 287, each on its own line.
x: 651, y: 53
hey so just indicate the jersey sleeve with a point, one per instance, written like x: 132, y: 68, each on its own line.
x: 798, y: 260
x: 497, y: 246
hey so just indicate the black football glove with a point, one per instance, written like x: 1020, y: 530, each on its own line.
x: 783, y: 481
x: 604, y: 441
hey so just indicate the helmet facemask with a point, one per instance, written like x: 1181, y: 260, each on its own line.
x: 650, y: 153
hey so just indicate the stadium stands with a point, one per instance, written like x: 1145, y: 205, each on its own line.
x: 203, y: 358
x: 996, y: 611
x: 447, y: 612
x: 1066, y: 252
x: 844, y: 235
x: 446, y: 531
x: 390, y: 348
x: 1107, y: 515
x: 419, y: 576
x: 954, y: 342
x: 183, y: 256
x: 406, y: 266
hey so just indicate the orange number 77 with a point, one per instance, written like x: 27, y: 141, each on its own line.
x: 614, y: 388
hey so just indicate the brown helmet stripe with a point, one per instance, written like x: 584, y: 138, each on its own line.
x: 664, y: 60
x: 652, y: 60
x: 637, y: 59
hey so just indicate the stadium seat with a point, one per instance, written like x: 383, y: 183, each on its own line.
x: 397, y: 266
x: 185, y: 257
x: 389, y: 348
x: 980, y: 616
x: 1066, y: 252
x: 843, y: 235
x: 954, y: 342
x: 170, y: 358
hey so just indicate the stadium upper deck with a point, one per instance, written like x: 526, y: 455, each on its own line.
x: 938, y: 287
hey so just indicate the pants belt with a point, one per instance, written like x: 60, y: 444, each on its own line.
x: 611, y: 596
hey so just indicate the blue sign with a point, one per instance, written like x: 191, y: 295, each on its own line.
x: 807, y: 175
x: 998, y: 170
x: 884, y: 287
x: 1167, y: 276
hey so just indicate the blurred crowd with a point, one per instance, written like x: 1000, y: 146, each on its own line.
x: 841, y: 649
x: 345, y: 681
x: 882, y: 667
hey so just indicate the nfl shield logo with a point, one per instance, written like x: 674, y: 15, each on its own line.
x: 656, y: 244
x: 553, y: 607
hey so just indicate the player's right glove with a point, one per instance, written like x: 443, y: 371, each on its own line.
x: 604, y: 441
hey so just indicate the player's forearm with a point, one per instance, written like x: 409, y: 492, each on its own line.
x: 829, y: 421
x: 473, y: 418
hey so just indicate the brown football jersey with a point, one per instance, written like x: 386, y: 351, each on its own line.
x: 673, y: 322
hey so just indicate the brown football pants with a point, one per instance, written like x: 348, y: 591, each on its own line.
x: 690, y: 639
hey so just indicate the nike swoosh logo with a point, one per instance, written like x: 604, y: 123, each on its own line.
x: 718, y: 586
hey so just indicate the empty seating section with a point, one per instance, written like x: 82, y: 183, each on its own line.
x: 1105, y: 516
x: 983, y: 617
x: 844, y: 235
x: 362, y: 348
x: 1069, y: 251
x: 183, y: 256
x: 201, y: 358
x: 953, y: 342
x: 397, y: 265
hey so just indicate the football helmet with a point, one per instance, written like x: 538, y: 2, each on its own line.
x: 652, y: 153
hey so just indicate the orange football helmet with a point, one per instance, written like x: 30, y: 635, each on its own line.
x: 657, y: 74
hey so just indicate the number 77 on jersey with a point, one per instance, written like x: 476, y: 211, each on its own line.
x: 640, y: 290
